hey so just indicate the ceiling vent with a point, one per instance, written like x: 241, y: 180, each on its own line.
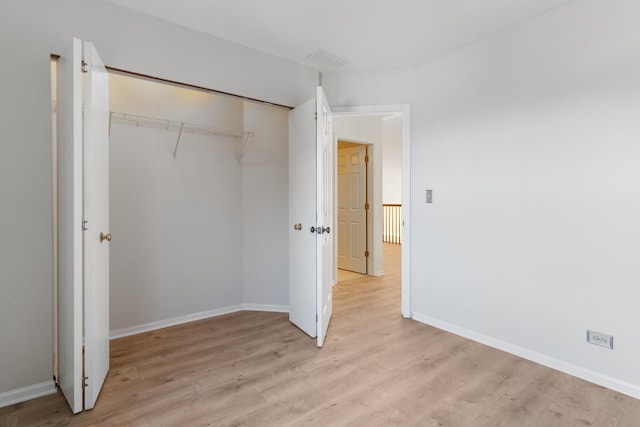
x: 329, y: 60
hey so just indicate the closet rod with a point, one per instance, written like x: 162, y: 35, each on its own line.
x: 181, y: 127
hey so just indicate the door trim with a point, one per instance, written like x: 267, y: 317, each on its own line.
x: 405, y: 111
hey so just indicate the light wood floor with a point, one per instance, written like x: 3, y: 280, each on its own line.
x: 376, y: 368
x: 344, y: 275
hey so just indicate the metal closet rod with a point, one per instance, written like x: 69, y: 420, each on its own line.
x: 181, y: 127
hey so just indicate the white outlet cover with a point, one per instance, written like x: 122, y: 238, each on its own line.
x: 598, y: 338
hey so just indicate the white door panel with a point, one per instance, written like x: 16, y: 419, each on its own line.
x: 70, y: 225
x: 341, y: 234
x: 342, y: 199
x: 311, y: 201
x: 325, y: 193
x: 302, y: 213
x: 83, y: 263
x: 96, y: 213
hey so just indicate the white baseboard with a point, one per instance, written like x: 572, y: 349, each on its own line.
x: 264, y: 307
x: 133, y: 330
x: 23, y: 394
x: 551, y: 362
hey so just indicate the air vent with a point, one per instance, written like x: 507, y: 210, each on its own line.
x: 327, y: 59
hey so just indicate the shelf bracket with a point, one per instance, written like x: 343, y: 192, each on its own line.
x: 245, y: 145
x: 175, y: 151
x: 181, y: 127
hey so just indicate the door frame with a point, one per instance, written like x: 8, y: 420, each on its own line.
x: 405, y: 111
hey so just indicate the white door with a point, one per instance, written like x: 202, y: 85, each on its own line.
x: 311, y: 164
x: 96, y: 215
x: 302, y: 215
x: 83, y: 263
x: 352, y: 215
x: 325, y: 170
x: 70, y: 225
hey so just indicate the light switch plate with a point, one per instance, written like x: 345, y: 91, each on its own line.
x: 429, y: 196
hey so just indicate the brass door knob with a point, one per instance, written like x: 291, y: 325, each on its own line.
x: 297, y: 227
x: 104, y: 237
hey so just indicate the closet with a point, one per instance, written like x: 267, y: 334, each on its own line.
x: 183, y: 163
x: 198, y: 206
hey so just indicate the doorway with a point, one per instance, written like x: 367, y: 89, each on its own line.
x: 389, y: 181
x: 352, y: 207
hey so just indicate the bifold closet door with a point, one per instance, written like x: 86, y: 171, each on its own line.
x: 83, y: 228
x: 96, y: 215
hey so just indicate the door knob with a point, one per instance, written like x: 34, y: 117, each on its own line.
x: 321, y: 230
x: 297, y: 227
x: 104, y: 237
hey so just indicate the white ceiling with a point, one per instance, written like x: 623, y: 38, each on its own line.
x: 368, y: 33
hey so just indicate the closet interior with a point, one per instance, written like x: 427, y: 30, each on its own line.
x: 198, y: 204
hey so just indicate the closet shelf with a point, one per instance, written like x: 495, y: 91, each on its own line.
x: 181, y: 128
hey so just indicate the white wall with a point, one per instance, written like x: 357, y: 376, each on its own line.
x: 176, y: 222
x: 32, y: 30
x: 392, y: 159
x: 530, y: 142
x: 368, y: 130
x: 265, y: 193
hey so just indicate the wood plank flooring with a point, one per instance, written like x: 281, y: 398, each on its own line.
x: 376, y: 369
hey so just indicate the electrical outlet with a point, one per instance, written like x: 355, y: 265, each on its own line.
x: 598, y: 338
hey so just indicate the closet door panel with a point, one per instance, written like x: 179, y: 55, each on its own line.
x: 70, y: 225
x: 96, y: 214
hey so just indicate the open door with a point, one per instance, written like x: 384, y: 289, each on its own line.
x: 83, y: 214
x: 96, y: 216
x: 311, y: 201
x: 325, y: 169
x: 70, y: 255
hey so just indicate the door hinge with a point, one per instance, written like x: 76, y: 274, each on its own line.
x: 315, y: 116
x: 366, y: 206
x: 84, y: 225
x: 85, y: 382
x: 316, y: 317
x: 83, y: 66
x: 366, y: 159
x: 366, y: 254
